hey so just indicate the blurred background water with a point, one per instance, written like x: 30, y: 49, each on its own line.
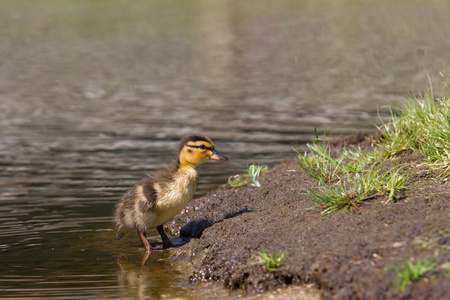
x: 96, y: 94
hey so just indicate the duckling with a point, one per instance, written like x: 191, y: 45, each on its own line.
x: 158, y: 198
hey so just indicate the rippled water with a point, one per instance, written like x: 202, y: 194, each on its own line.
x: 95, y: 94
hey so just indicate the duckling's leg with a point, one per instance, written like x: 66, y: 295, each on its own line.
x: 166, y: 241
x: 143, y: 237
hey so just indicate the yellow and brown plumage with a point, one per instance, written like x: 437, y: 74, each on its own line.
x: 156, y: 199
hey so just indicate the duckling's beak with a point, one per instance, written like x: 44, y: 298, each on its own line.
x: 218, y: 156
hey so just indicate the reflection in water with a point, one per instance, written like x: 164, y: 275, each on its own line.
x: 157, y: 279
x: 93, y: 96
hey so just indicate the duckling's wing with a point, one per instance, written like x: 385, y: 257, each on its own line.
x: 147, y: 198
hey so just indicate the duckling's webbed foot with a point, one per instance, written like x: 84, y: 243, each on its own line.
x: 143, y: 237
x: 166, y: 241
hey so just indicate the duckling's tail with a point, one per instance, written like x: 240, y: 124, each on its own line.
x: 121, y: 232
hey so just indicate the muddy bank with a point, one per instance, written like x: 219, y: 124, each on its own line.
x: 348, y: 255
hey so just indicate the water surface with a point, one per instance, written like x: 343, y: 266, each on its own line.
x: 95, y: 94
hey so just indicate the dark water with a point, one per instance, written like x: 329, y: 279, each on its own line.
x: 95, y: 94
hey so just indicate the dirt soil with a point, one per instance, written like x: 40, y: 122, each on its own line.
x: 346, y: 255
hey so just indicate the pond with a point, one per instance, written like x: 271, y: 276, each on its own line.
x: 96, y: 94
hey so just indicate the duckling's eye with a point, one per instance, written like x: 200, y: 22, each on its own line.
x: 203, y: 147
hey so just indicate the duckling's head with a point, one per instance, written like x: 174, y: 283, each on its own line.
x: 196, y: 149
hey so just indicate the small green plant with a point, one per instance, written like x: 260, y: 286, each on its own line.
x: 271, y: 261
x: 411, y: 271
x: 238, y: 180
x: 394, y: 182
x: 254, y: 171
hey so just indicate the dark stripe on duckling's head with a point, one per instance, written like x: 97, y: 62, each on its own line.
x: 193, y: 138
x: 201, y: 147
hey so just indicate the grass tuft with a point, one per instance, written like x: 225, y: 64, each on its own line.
x: 271, y: 261
x: 347, y: 181
x: 414, y: 271
x: 320, y: 165
x: 421, y: 125
x: 354, y: 188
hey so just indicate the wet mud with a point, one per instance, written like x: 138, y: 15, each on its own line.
x: 347, y: 255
